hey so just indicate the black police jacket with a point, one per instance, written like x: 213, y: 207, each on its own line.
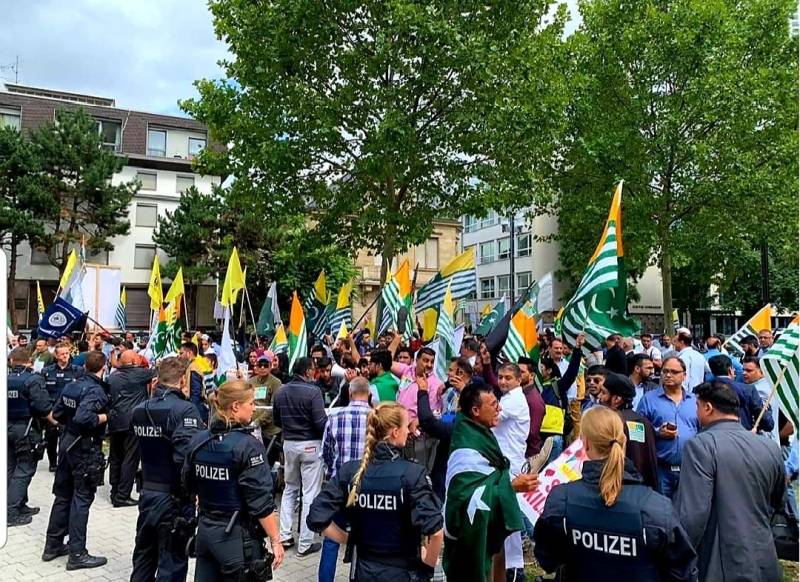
x: 638, y: 538
x: 79, y: 406
x: 127, y: 388
x: 56, y: 377
x: 395, y: 507
x: 26, y: 395
x: 165, y: 426
x: 227, y: 469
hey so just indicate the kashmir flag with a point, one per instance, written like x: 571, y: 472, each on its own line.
x: 342, y: 314
x: 522, y: 338
x: 481, y: 509
x: 599, y: 306
x: 444, y: 333
x: 342, y: 334
x: 280, y: 343
x: 176, y: 289
x: 39, y: 301
x: 159, y: 339
x: 234, y: 280
x: 540, y: 294
x: 459, y: 274
x: 429, y: 317
x: 391, y: 304
x: 72, y: 260
x: 489, y: 319
x: 270, y: 317
x: 121, y: 316
x: 316, y: 307
x: 781, y: 364
x: 761, y: 320
x: 174, y: 329
x: 154, y: 290
x: 297, y: 337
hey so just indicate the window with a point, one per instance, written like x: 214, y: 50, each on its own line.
x: 503, y: 283
x: 523, y: 245
x: 490, y: 220
x: 110, y: 134
x: 149, y: 181
x: 183, y: 182
x: 487, y: 288
x: 146, y: 215
x: 487, y: 252
x: 143, y: 256
x: 523, y: 280
x: 157, y: 142
x: 10, y: 118
x: 196, y: 145
x: 470, y: 224
x: 39, y: 257
x: 503, y: 248
x: 428, y: 254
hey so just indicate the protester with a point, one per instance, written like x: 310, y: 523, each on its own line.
x: 615, y: 360
x: 536, y: 407
x: 641, y: 372
x: 765, y: 341
x: 754, y: 376
x: 713, y: 343
x: 555, y: 388
x: 265, y: 386
x: 440, y: 428
x: 597, y: 527
x: 731, y: 482
x: 696, y: 365
x: 41, y: 355
x: 383, y: 384
x: 750, y: 404
x: 652, y: 352
x: 595, y: 375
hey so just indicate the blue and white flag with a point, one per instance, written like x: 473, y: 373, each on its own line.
x: 60, y: 319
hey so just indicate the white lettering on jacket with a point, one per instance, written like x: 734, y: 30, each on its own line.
x: 377, y: 501
x: 607, y: 543
x: 211, y: 473
x: 13, y: 393
x: 69, y: 402
x: 147, y: 431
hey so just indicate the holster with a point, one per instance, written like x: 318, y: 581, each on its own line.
x: 181, y: 535
x: 257, y: 564
x: 90, y: 465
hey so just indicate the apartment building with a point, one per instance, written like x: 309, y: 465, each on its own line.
x: 159, y: 151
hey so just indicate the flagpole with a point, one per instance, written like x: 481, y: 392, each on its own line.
x: 366, y: 311
x: 769, y: 398
x: 252, y: 315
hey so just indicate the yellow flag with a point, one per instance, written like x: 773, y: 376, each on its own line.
x: 462, y: 262
x: 123, y: 297
x: 429, y: 320
x: 321, y: 288
x: 762, y: 319
x: 176, y: 288
x: 155, y: 291
x: 342, y: 332
x: 447, y: 304
x: 403, y: 276
x: 39, y: 300
x: 487, y: 309
x: 614, y: 215
x: 72, y: 260
x: 343, y: 301
x: 234, y: 280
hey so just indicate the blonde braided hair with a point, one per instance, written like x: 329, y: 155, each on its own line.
x: 602, y: 427
x: 380, y: 421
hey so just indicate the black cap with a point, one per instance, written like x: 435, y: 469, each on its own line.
x: 619, y: 385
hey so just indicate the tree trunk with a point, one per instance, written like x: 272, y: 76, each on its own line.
x: 666, y: 283
x: 387, y: 255
x: 191, y: 305
x: 12, y: 283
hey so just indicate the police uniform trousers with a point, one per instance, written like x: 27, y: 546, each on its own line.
x: 123, y: 461
x: 51, y: 434
x: 74, y: 495
x: 222, y: 557
x: 21, y: 466
x: 152, y: 559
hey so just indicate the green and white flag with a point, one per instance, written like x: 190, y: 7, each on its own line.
x: 280, y: 343
x: 444, y: 334
x: 761, y: 320
x: 781, y: 364
x: 270, y: 317
x: 490, y: 319
x: 392, y: 302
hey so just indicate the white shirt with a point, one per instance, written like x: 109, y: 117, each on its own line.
x: 515, y: 424
x: 695, y: 367
x: 653, y: 352
x: 572, y: 391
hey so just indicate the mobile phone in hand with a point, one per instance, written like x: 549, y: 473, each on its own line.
x: 671, y: 426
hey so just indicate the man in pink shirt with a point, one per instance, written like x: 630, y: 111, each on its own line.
x: 407, y: 392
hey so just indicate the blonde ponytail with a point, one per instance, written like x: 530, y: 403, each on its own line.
x: 228, y: 393
x: 602, y: 428
x: 380, y: 421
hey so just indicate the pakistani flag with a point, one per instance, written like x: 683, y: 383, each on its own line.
x: 270, y: 317
x: 280, y: 343
x: 297, y: 339
x: 121, y: 317
x: 444, y: 333
x: 781, y: 364
x: 481, y: 509
x: 458, y: 274
x: 599, y: 306
x: 490, y: 320
x: 761, y: 320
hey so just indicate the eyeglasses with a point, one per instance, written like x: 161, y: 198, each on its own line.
x: 667, y: 372
x: 594, y: 380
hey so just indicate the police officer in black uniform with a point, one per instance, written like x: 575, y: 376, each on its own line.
x: 28, y: 405
x: 83, y: 410
x: 56, y: 376
x: 609, y: 525
x: 227, y: 468
x: 388, y: 504
x: 164, y: 426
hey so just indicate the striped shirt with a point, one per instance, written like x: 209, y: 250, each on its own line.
x: 345, y: 436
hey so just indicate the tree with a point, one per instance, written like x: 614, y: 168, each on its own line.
x: 24, y: 202
x: 78, y: 171
x: 381, y: 116
x: 693, y: 103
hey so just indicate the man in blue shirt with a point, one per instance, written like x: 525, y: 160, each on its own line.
x: 712, y: 349
x: 673, y: 413
x: 750, y: 403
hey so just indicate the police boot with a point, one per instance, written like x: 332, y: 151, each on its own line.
x: 50, y: 554
x: 26, y: 510
x: 19, y: 519
x: 84, y: 560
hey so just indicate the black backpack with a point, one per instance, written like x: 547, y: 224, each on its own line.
x: 785, y: 535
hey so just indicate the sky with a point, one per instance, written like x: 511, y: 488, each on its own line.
x: 145, y: 54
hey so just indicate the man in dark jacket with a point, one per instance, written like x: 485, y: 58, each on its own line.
x: 731, y: 482
x: 750, y: 403
x: 616, y: 361
x: 300, y: 413
x: 617, y: 392
x: 129, y: 386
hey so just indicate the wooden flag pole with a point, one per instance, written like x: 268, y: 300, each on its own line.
x: 252, y: 315
x: 366, y: 311
x: 769, y: 398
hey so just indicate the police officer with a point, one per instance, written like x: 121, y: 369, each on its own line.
x: 227, y: 469
x: 83, y: 410
x: 28, y: 402
x: 164, y: 426
x: 56, y: 376
x: 387, y: 502
x: 608, y: 525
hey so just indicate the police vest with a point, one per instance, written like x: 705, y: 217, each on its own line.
x: 70, y: 399
x: 608, y: 543
x: 151, y: 426
x: 18, y: 408
x: 215, y: 472
x: 381, y: 517
x: 56, y: 378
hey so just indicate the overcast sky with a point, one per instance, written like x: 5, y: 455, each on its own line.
x: 144, y: 53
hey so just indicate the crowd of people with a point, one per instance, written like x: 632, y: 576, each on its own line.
x: 687, y: 461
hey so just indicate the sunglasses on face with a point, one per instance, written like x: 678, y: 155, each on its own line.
x: 263, y: 365
x: 594, y: 380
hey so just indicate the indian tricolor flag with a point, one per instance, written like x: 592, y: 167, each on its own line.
x: 522, y: 337
x: 296, y: 338
x: 761, y: 320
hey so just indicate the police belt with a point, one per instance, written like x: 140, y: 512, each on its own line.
x: 395, y: 560
x: 154, y: 486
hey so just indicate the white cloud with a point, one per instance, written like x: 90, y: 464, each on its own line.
x: 144, y: 53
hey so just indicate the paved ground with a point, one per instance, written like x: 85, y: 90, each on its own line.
x: 111, y: 533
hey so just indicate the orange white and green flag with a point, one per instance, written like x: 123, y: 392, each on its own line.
x: 297, y: 336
